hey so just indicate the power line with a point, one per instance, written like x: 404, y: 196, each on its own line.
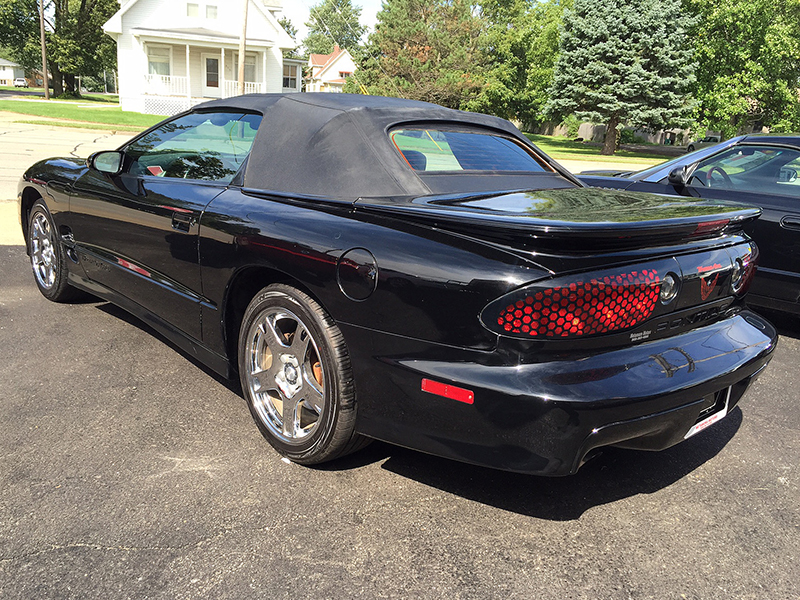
x: 336, y: 43
x: 329, y: 33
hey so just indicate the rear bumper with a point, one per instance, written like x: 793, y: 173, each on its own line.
x: 546, y: 417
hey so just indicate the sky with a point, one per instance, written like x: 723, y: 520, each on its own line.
x: 297, y: 11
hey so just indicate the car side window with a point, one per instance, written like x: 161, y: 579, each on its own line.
x: 205, y: 146
x: 765, y: 169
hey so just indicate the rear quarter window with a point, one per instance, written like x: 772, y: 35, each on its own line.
x: 453, y: 150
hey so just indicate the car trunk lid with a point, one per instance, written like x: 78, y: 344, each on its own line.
x: 591, y: 219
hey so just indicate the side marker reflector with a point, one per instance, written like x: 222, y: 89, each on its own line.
x: 448, y: 391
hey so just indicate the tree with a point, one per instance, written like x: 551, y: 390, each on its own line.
x: 289, y: 27
x: 19, y: 32
x: 425, y: 50
x: 748, y: 55
x: 334, y: 22
x: 76, y: 43
x: 626, y: 62
x: 522, y: 44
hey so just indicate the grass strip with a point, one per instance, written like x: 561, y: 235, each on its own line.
x: 109, y: 115
x: 566, y: 149
x: 80, y: 125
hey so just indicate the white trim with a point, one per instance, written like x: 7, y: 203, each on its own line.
x: 264, y: 70
x: 231, y: 41
x: 287, y: 43
x: 188, y: 75
x: 147, y: 46
x: 222, y: 73
x: 208, y: 92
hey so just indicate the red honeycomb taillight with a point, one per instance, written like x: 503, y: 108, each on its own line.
x: 591, y: 305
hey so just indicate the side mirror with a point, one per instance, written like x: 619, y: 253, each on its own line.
x: 107, y: 161
x: 679, y: 176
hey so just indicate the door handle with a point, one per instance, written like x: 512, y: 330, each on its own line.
x: 791, y: 222
x: 182, y: 221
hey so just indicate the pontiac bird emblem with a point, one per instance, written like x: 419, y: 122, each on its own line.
x: 707, y: 287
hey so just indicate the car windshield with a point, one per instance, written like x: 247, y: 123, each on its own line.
x: 453, y: 150
x: 674, y: 162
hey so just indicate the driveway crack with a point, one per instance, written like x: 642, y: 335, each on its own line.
x: 74, y: 151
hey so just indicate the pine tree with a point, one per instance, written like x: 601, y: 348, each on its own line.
x: 425, y: 50
x: 624, y: 62
x: 334, y: 22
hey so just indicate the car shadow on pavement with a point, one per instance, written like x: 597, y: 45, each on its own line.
x: 614, y: 475
x: 787, y: 324
x: 123, y: 315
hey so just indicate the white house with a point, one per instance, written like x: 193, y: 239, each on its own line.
x: 9, y: 71
x: 328, y: 72
x: 173, y: 54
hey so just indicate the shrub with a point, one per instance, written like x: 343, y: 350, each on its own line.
x: 626, y: 136
x: 572, y: 124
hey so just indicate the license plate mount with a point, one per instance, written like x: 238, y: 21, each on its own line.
x: 719, y: 411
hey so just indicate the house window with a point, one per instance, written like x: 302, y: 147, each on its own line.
x: 344, y: 74
x: 249, y: 66
x: 211, y: 11
x: 158, y: 60
x: 290, y: 76
x: 192, y: 10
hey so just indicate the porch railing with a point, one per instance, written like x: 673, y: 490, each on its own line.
x: 231, y: 88
x: 165, y: 85
x: 171, y: 85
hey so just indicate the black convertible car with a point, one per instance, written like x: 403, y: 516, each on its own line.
x: 754, y: 170
x: 389, y: 269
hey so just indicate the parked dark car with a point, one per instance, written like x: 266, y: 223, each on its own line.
x: 753, y: 170
x: 389, y: 269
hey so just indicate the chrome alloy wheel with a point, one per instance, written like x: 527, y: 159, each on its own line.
x: 284, y: 375
x: 43, y: 254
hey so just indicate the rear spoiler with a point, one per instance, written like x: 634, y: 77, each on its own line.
x: 580, y: 213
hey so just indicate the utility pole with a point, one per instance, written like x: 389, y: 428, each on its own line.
x: 44, y: 51
x: 242, y: 47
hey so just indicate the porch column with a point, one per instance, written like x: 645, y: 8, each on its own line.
x: 188, y: 79
x: 264, y: 74
x: 224, y: 93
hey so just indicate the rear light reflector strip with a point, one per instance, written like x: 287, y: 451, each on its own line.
x: 448, y: 391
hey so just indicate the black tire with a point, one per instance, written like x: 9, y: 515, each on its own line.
x: 296, y: 377
x: 690, y: 148
x: 48, y: 258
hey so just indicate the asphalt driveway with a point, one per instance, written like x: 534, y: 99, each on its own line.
x: 129, y: 471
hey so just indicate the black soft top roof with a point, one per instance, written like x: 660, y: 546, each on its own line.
x: 335, y: 145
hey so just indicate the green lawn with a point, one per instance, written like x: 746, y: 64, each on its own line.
x: 562, y: 148
x: 101, y: 114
